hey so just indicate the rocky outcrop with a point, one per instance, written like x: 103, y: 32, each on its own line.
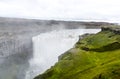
x: 95, y: 56
x: 115, y: 29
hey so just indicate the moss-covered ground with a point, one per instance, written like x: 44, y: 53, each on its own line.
x: 93, y: 57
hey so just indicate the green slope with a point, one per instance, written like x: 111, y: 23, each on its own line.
x: 93, y: 57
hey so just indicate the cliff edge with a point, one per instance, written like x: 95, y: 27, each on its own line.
x: 95, y: 56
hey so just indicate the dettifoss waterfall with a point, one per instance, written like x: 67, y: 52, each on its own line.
x: 48, y: 46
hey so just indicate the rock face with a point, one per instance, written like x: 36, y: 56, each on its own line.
x: 95, y: 56
x: 115, y: 29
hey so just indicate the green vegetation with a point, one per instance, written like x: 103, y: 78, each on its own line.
x: 93, y: 57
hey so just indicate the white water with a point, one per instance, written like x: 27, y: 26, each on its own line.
x: 48, y: 46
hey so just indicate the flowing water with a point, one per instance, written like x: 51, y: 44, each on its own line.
x: 48, y: 46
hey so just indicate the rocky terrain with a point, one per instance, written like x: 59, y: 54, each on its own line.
x: 94, y: 56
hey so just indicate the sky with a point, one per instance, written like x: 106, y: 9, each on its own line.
x: 98, y: 10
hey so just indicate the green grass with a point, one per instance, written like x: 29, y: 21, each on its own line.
x: 96, y: 57
x: 98, y: 40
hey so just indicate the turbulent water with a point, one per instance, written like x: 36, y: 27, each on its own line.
x: 48, y: 46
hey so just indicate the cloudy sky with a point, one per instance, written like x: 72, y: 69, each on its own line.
x: 103, y: 10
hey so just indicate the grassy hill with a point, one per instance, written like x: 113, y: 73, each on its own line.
x: 95, y: 56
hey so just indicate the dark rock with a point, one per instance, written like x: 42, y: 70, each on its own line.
x: 115, y: 29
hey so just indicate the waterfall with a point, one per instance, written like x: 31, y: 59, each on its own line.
x: 48, y: 46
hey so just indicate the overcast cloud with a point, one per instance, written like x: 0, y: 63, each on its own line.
x: 99, y: 10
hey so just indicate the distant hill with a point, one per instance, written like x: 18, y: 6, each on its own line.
x: 8, y: 24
